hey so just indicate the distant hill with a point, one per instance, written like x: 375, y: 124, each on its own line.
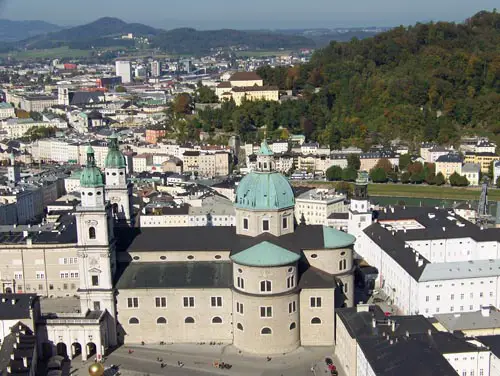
x: 191, y: 41
x: 13, y: 31
x: 107, y: 31
x: 102, y: 32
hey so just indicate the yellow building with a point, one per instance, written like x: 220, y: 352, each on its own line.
x: 246, y: 85
x: 484, y: 159
x: 449, y: 164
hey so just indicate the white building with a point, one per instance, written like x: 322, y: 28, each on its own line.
x: 472, y: 172
x: 496, y: 171
x: 316, y: 205
x: 6, y: 111
x: 124, y: 70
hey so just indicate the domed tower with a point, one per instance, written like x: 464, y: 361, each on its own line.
x: 118, y: 190
x: 96, y: 258
x: 264, y: 199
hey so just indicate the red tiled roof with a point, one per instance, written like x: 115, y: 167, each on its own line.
x: 245, y: 76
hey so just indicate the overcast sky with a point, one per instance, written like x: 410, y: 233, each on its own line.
x: 246, y: 14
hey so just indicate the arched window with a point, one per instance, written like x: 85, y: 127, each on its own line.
x: 293, y: 326
x: 316, y: 320
x: 161, y: 320
x: 239, y: 326
x: 133, y: 320
x: 216, y: 320
x: 91, y: 232
x: 189, y: 320
x: 266, y: 331
x: 265, y: 286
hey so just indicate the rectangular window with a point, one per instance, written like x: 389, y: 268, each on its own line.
x: 315, y: 302
x: 188, y: 301
x: 73, y: 274
x: 292, y: 307
x: 290, y: 282
x: 285, y: 223
x: 161, y: 301
x: 18, y: 275
x: 266, y: 311
x: 438, y: 298
x: 216, y: 301
x: 240, y: 283
x: 452, y: 296
x: 95, y: 280
x: 133, y: 302
x: 265, y: 225
x: 426, y: 298
x: 40, y: 287
x: 97, y: 306
x: 239, y: 308
x: 245, y: 223
x: 265, y: 286
x: 40, y: 275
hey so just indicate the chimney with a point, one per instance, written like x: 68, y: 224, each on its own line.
x: 391, y: 342
x: 392, y: 209
x: 25, y: 362
x: 12, y: 356
x: 374, y: 323
x: 420, y: 262
x: 485, y: 311
x: 393, y: 326
x: 407, y: 333
x: 429, y: 332
x: 13, y: 301
x: 444, y: 228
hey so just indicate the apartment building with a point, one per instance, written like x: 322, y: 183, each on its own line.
x: 483, y: 159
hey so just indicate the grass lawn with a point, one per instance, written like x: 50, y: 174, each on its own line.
x: 426, y: 191
x: 60, y: 52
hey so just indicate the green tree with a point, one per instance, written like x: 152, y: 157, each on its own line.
x: 353, y: 161
x: 37, y: 116
x: 182, y: 104
x: 349, y: 174
x: 384, y: 164
x: 430, y: 178
x: 440, y: 180
x: 121, y: 89
x: 404, y: 161
x: 205, y: 95
x: 417, y: 178
x: 334, y: 173
x: 405, y: 177
x: 498, y: 182
x: 378, y: 175
x: 392, y: 176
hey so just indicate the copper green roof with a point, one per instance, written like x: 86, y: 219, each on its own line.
x: 114, y: 158
x: 265, y: 149
x: 91, y: 176
x: 337, y: 239
x: 265, y: 254
x: 264, y: 191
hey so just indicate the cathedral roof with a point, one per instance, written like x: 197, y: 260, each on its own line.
x: 265, y: 254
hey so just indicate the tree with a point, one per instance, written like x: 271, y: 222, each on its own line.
x: 405, y: 177
x: 334, y: 173
x: 353, y: 161
x: 205, y: 95
x: 378, y: 175
x: 37, y: 116
x: 417, y: 178
x: 182, y: 104
x: 457, y: 180
x: 404, y: 161
x: 349, y: 174
x: 415, y: 168
x: 430, y: 178
x: 384, y: 164
x: 440, y: 180
x: 121, y: 89
x: 498, y: 182
x: 392, y: 176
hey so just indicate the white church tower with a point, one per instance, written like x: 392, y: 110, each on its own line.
x: 118, y: 190
x: 95, y: 239
x: 360, y: 215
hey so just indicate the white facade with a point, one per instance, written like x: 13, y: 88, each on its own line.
x: 317, y: 204
x: 124, y: 70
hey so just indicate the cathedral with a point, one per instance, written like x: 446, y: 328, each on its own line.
x: 267, y: 285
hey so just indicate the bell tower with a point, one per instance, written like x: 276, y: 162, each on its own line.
x: 360, y: 216
x: 118, y: 190
x: 95, y: 245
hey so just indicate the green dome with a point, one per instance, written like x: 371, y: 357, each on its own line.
x: 115, y: 158
x: 91, y: 176
x: 264, y: 191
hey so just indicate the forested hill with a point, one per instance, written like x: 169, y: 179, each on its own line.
x: 432, y: 81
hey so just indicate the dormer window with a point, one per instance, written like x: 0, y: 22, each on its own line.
x: 265, y: 225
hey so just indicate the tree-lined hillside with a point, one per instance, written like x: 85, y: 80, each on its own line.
x: 432, y: 81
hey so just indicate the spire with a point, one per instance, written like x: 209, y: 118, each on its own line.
x: 265, y: 149
x: 90, y: 156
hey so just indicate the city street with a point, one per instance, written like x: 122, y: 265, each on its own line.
x: 198, y: 360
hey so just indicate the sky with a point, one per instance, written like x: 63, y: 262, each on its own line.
x: 246, y: 14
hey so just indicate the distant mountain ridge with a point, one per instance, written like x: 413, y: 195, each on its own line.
x: 107, y: 31
x: 12, y: 31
